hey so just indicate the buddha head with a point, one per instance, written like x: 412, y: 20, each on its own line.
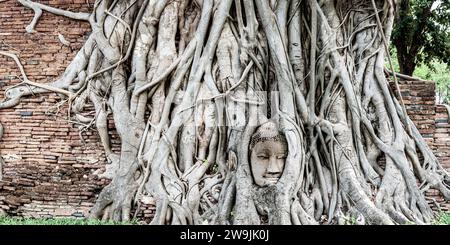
x: 268, y: 151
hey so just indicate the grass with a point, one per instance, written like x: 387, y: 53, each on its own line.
x: 442, y: 219
x: 5, y: 220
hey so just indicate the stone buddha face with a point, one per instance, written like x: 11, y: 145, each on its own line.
x: 268, y: 151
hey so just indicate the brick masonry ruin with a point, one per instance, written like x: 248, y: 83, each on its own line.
x: 433, y: 123
x: 50, y: 164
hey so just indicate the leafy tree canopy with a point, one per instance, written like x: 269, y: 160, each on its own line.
x: 422, y: 33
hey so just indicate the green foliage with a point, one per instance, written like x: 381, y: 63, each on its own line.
x: 422, y: 31
x: 442, y: 219
x: 351, y: 221
x: 7, y: 220
x: 215, y: 169
x: 409, y: 223
x: 393, y: 53
x: 436, y: 71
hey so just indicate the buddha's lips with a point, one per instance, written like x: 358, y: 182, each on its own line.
x: 272, y: 179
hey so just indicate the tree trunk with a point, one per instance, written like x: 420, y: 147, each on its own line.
x: 410, y: 39
x: 195, y: 85
x: 407, y: 63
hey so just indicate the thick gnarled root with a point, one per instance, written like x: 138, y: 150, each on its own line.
x: 187, y: 83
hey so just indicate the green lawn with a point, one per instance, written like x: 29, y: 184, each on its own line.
x: 441, y: 219
x: 5, y: 220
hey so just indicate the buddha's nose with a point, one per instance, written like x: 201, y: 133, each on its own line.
x: 273, y: 168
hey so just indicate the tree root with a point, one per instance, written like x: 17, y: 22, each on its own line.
x: 183, y: 81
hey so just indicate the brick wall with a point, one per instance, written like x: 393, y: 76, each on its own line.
x: 419, y: 98
x: 442, y: 136
x: 432, y: 122
x: 49, y: 162
x: 441, y: 147
x: 48, y: 167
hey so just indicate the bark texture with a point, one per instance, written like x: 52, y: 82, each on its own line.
x: 188, y: 82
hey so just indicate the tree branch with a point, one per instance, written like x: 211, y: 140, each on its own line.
x: 38, y: 7
x: 27, y: 81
